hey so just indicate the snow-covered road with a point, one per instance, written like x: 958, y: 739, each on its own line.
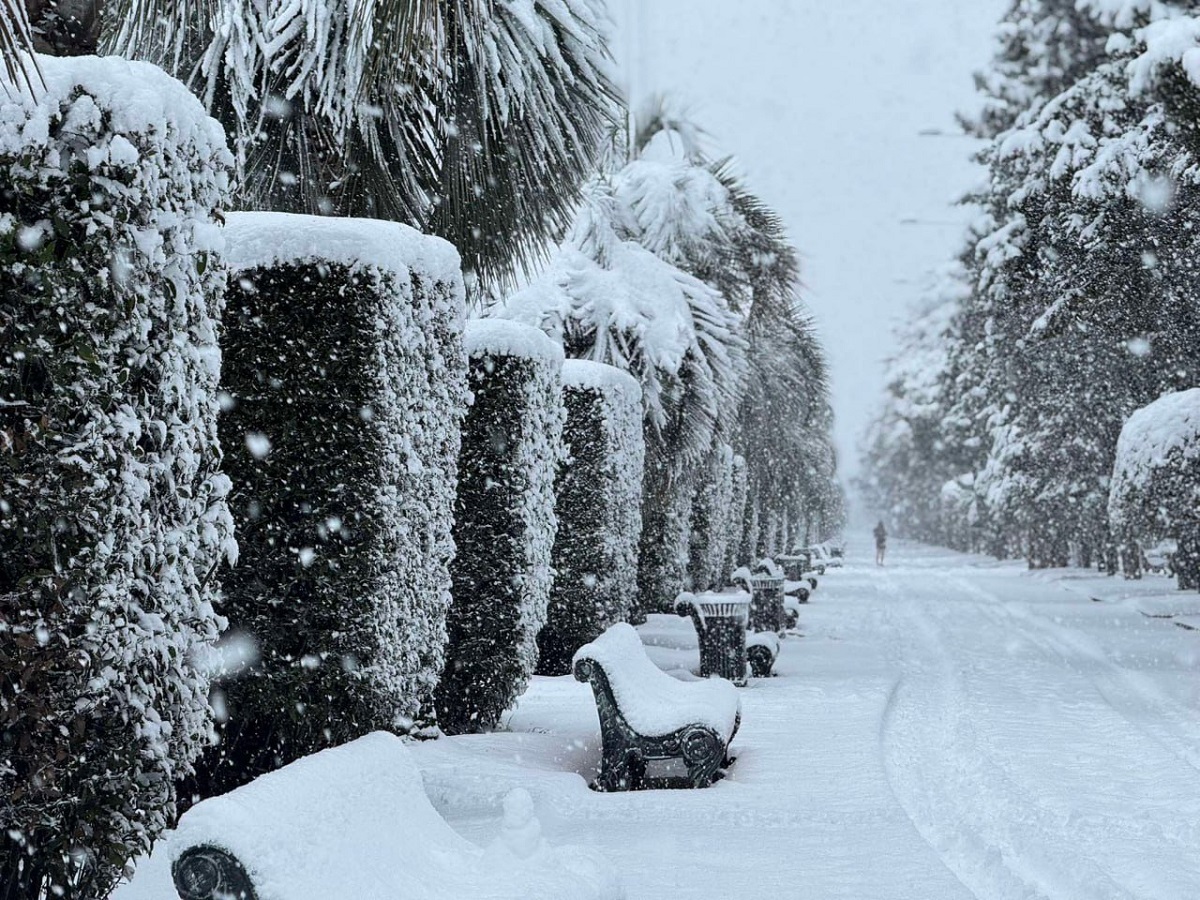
x: 947, y: 727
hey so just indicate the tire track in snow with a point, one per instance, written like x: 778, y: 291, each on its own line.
x: 998, y: 841
x: 1127, y: 693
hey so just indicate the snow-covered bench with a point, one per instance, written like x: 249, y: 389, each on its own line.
x: 720, y: 621
x: 354, y: 822
x: 762, y: 649
x: 646, y: 715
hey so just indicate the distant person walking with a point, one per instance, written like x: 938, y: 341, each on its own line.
x: 880, y: 543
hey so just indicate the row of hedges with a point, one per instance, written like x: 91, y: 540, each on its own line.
x: 342, y: 383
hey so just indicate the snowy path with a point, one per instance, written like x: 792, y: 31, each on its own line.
x: 947, y: 728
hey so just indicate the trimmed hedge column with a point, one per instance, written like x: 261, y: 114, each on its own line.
x: 346, y: 382
x: 599, y: 492
x: 504, y: 522
x: 113, y: 516
x: 712, y: 507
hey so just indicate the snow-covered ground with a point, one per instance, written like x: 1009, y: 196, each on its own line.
x: 947, y: 727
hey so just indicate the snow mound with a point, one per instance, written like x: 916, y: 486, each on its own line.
x: 584, y: 373
x: 654, y: 703
x: 268, y: 239
x: 1154, y: 432
x: 503, y: 337
x: 355, y: 822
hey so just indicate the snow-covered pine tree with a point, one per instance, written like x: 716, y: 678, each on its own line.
x: 113, y: 515
x: 1099, y: 309
x: 1042, y: 48
x: 599, y: 505
x: 1156, y: 480
x: 345, y: 377
x: 504, y: 522
x: 905, y: 461
x: 476, y: 120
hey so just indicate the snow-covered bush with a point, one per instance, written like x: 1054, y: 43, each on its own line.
x: 346, y: 388
x: 113, y: 516
x: 599, y: 505
x: 1155, y: 489
x: 504, y: 522
x: 712, y: 508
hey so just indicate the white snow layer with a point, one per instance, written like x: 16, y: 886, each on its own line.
x: 264, y: 239
x: 355, y: 822
x: 1169, y: 424
x: 503, y: 337
x: 584, y: 373
x: 139, y: 98
x: 653, y: 702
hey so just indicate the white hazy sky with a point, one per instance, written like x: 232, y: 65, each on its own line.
x: 823, y: 103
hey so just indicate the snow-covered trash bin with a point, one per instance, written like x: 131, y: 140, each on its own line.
x: 354, y: 823
x: 504, y: 522
x: 720, y: 620
x: 646, y: 716
x: 598, y: 501
x: 1155, y: 488
x: 766, y: 585
x: 113, y: 515
x: 346, y: 387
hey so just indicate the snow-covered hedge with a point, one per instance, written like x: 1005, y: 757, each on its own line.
x: 346, y: 388
x: 712, y: 508
x: 736, y: 521
x: 599, y: 496
x: 1155, y: 490
x: 113, y: 515
x: 504, y: 522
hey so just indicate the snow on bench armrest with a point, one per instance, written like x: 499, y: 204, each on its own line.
x: 653, y: 703
x: 767, y: 639
x: 355, y: 822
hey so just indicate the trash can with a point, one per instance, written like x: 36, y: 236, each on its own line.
x: 720, y: 621
x: 766, y: 605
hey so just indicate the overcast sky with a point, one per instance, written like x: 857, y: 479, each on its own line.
x: 823, y: 103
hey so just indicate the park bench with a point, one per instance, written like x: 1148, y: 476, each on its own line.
x: 355, y: 822
x: 646, y: 716
x: 762, y: 649
x: 720, y: 621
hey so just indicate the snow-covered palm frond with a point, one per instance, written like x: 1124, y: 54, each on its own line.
x: 16, y: 47
x: 473, y: 119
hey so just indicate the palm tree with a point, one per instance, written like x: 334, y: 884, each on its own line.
x: 16, y: 46
x: 476, y: 120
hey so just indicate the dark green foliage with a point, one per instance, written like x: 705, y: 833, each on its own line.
x: 599, y: 520
x: 112, y: 512
x: 504, y: 527
x: 341, y: 584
